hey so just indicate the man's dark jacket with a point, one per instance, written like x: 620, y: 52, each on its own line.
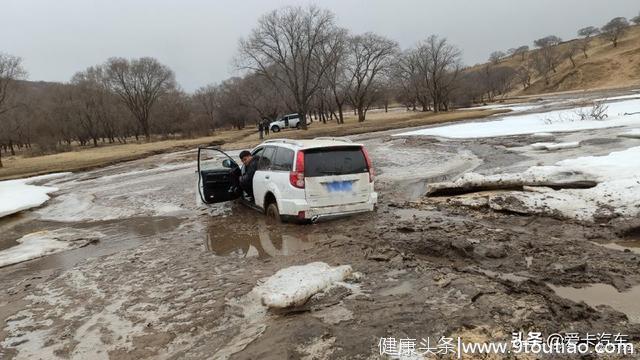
x: 246, y: 179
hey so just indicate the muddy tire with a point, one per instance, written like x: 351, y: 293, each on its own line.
x: 275, y: 128
x: 298, y: 126
x: 272, y: 213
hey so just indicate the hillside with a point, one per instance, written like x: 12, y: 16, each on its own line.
x: 606, y: 67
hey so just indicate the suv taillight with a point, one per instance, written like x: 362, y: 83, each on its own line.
x: 369, y: 164
x: 296, y: 177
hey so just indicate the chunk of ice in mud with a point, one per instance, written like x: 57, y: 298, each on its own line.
x: 294, y: 285
x: 632, y: 134
x: 47, y: 242
x: 555, y: 146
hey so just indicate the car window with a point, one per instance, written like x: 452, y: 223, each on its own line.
x: 266, y: 158
x: 334, y: 161
x: 283, y: 160
x: 257, y: 152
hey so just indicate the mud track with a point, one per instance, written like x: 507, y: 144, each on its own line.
x: 429, y: 267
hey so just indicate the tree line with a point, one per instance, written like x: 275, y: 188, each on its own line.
x: 296, y: 59
x: 496, y: 77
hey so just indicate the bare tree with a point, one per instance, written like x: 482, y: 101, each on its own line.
x: 206, y: 98
x: 336, y: 75
x: 572, y: 49
x: 522, y: 51
x: 369, y: 57
x: 406, y: 79
x: 292, y: 48
x: 587, y: 33
x: 615, y: 29
x: 496, y: 56
x: 139, y: 83
x: 547, y: 57
x: 259, y: 95
x: 444, y: 60
x: 91, y: 94
x: 10, y: 70
x: 636, y: 20
x: 525, y: 73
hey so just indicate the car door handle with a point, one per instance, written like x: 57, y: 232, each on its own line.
x: 267, y: 177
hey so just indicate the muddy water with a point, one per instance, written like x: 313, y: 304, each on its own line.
x: 119, y: 235
x: 625, y: 245
x: 246, y: 233
x: 630, y: 242
x: 603, y: 294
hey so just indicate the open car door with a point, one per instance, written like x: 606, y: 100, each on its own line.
x: 217, y: 176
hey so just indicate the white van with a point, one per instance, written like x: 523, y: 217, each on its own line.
x: 296, y: 179
x: 288, y: 121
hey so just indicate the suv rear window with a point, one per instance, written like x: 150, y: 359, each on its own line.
x: 334, y: 161
x: 283, y: 160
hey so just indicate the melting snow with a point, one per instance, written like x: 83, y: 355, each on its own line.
x: 616, y: 194
x: 555, y: 146
x: 622, y: 113
x: 46, y: 242
x: 19, y: 195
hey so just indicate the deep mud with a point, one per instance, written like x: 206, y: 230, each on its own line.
x: 171, y: 279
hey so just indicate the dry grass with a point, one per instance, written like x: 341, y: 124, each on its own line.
x: 605, y: 68
x: 378, y: 121
x: 87, y: 158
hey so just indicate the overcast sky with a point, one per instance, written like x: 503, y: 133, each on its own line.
x: 198, y: 38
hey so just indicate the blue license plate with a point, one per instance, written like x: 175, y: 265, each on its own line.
x: 339, y: 186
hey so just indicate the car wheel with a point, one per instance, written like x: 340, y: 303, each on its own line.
x: 298, y: 126
x: 273, y: 214
x: 275, y: 128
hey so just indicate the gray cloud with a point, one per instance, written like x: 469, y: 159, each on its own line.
x: 198, y: 38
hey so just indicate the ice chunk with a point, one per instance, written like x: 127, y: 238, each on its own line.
x: 616, y: 192
x: 294, y: 285
x: 47, y: 242
x: 19, y: 195
x: 555, y: 146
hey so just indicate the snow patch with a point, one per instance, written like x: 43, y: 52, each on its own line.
x: 555, y: 146
x: 19, y: 195
x: 617, y: 193
x: 622, y: 113
x: 47, y: 242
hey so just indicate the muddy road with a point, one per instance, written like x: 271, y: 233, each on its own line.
x: 168, y: 277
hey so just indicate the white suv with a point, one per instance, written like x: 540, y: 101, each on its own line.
x: 285, y: 122
x: 296, y: 179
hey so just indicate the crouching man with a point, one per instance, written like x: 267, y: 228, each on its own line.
x: 250, y: 166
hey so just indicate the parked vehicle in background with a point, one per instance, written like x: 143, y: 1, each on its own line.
x: 288, y: 121
x: 303, y: 180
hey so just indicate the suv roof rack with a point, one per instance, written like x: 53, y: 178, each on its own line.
x: 333, y: 139
x: 284, y: 141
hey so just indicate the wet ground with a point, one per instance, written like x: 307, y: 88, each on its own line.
x: 169, y: 278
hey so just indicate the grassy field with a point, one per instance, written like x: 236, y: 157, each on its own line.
x: 88, y: 158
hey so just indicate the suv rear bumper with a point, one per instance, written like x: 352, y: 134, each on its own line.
x: 292, y: 208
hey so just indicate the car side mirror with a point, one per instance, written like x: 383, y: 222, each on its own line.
x: 229, y: 164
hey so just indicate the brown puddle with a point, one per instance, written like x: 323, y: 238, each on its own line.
x: 119, y: 234
x: 261, y: 240
x: 603, y: 294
